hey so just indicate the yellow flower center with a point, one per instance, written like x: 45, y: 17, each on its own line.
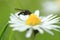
x: 33, y: 20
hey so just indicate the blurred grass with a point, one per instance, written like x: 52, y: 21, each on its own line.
x: 7, y: 7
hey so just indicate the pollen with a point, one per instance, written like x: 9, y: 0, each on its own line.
x: 33, y: 20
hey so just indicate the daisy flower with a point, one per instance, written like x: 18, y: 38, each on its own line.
x: 32, y: 22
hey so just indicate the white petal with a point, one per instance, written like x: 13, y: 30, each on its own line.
x: 49, y: 21
x: 29, y: 32
x: 35, y: 27
x: 21, y: 29
x: 56, y: 30
x: 23, y: 17
x: 46, y: 26
x: 40, y: 30
x: 48, y: 31
x: 37, y: 12
x: 53, y: 21
x: 46, y: 18
x: 15, y: 28
x: 42, y: 17
x: 49, y: 26
x: 14, y: 22
x: 51, y: 18
x: 16, y: 14
x: 24, y: 28
x: 19, y: 26
x: 14, y: 19
x: 54, y: 26
x: 14, y: 25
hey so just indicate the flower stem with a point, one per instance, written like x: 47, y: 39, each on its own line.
x: 32, y: 38
x: 4, y: 31
x: 33, y: 35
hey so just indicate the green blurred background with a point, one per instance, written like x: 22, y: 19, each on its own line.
x: 8, y: 6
